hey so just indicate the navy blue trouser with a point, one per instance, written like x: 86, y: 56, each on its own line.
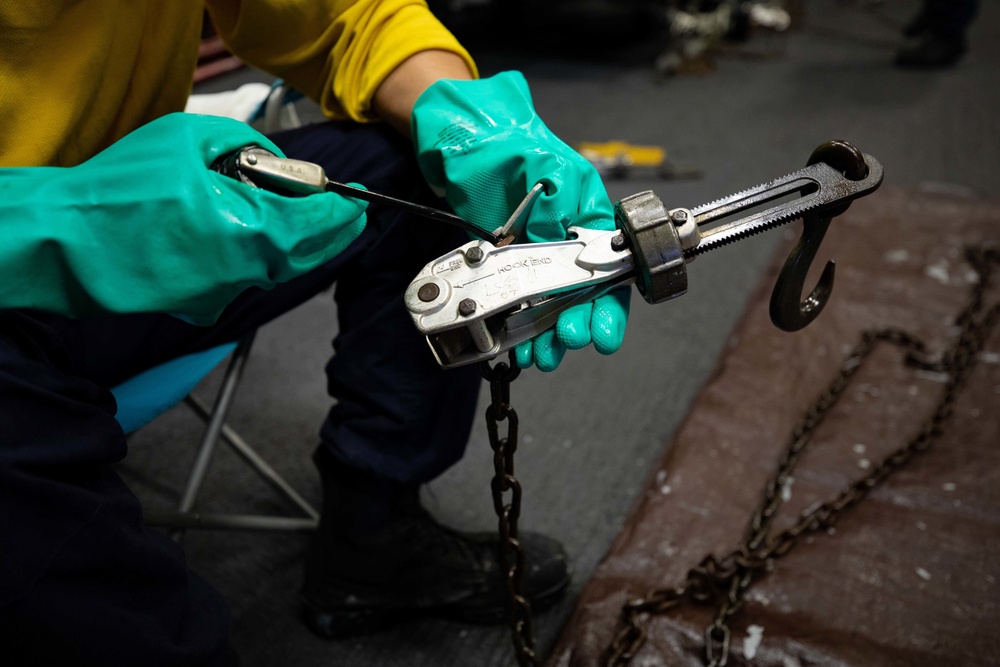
x: 81, y: 578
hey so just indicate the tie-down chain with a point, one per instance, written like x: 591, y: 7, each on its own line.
x: 511, y: 551
x: 487, y: 296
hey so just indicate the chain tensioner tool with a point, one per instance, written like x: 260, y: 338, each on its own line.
x: 482, y: 299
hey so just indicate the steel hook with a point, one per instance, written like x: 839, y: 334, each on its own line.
x: 789, y: 311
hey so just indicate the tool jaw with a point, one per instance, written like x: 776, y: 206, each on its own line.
x: 480, y: 300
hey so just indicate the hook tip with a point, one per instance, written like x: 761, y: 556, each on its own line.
x: 790, y: 314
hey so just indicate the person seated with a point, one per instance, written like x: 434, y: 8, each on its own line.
x: 121, y: 248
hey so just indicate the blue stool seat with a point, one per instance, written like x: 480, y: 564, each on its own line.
x: 148, y: 395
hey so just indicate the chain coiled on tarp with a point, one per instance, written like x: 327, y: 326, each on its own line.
x: 725, y: 581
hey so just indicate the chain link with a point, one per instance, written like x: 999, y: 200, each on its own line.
x: 509, y: 510
x: 724, y: 582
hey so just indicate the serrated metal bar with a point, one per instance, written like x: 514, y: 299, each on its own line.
x: 819, y: 185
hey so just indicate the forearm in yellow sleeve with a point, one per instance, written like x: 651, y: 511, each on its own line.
x: 335, y: 51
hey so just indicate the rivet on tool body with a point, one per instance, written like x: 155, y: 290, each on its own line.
x: 428, y: 292
x: 474, y: 255
x: 467, y: 307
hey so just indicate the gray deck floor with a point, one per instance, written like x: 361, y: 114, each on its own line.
x: 591, y: 432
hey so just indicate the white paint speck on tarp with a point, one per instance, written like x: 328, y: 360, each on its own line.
x: 755, y: 633
x: 786, y: 488
x: 896, y: 256
x: 938, y: 271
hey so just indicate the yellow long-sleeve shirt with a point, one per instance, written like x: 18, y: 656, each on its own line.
x: 77, y: 75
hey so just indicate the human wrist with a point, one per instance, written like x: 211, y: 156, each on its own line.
x: 396, y: 95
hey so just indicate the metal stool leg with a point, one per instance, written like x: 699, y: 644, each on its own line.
x: 254, y: 460
x: 185, y: 516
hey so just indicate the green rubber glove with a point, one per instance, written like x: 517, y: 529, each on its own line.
x: 146, y: 226
x: 483, y: 146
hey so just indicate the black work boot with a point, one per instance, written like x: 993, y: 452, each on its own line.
x: 379, y: 557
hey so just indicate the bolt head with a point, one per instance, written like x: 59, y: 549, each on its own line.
x: 251, y: 159
x: 679, y: 217
x: 618, y: 242
x: 466, y: 307
x: 474, y: 255
x: 428, y: 292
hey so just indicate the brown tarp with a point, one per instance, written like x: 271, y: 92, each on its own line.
x: 909, y: 576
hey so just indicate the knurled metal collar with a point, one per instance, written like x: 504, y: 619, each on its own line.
x: 655, y: 245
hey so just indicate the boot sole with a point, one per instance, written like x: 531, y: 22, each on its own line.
x: 344, y: 624
x: 361, y: 621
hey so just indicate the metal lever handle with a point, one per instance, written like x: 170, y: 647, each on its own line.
x: 261, y: 168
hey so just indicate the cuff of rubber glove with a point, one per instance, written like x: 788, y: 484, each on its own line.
x: 468, y: 102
